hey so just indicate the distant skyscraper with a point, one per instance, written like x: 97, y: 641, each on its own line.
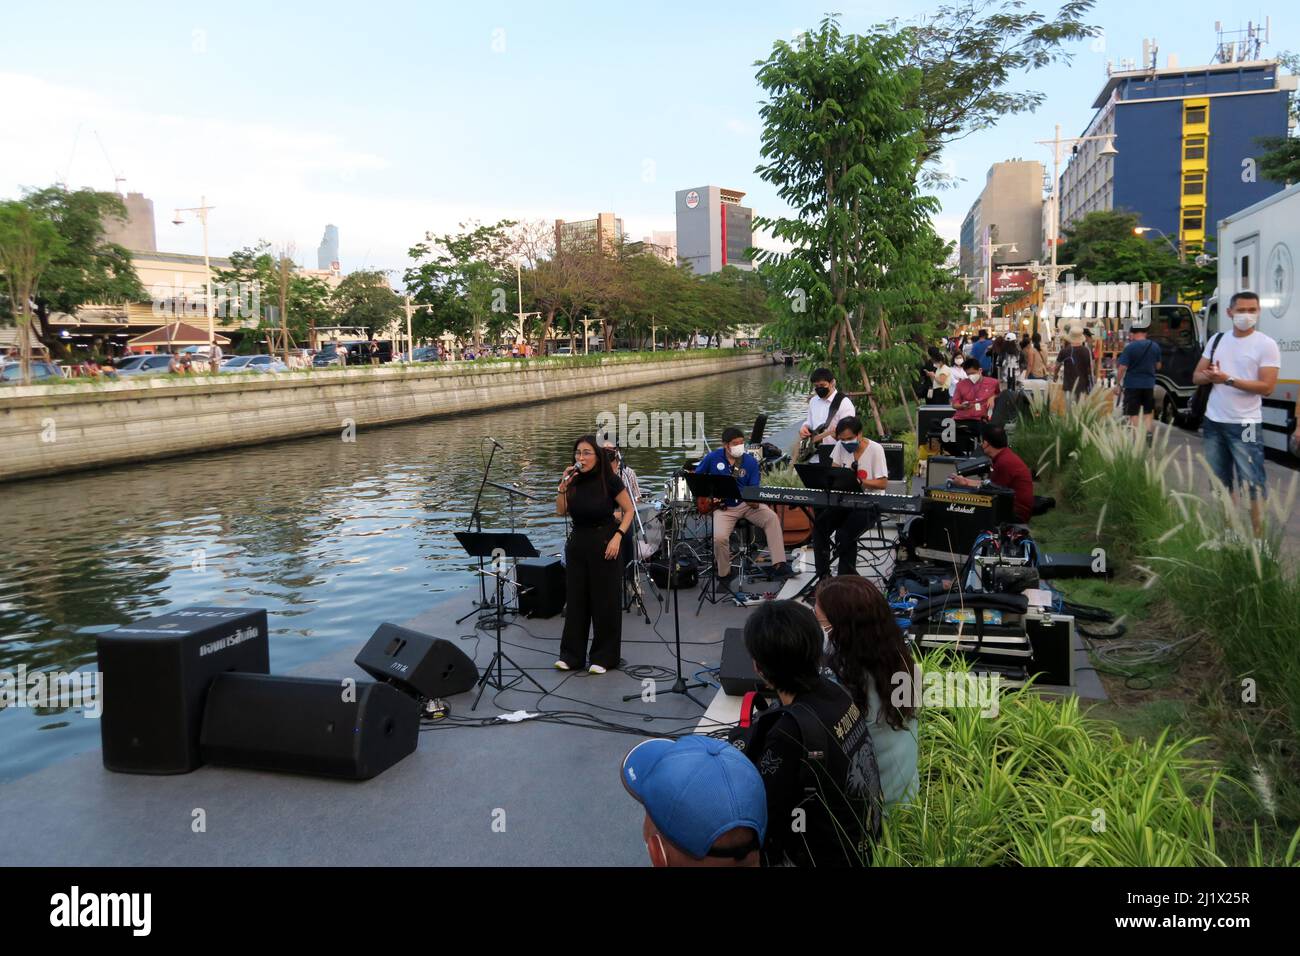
x: 713, y: 229
x: 136, y: 232
x: 327, y: 256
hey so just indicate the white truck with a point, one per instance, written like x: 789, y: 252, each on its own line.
x: 1258, y: 250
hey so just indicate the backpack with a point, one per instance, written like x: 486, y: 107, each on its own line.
x: 1201, y: 397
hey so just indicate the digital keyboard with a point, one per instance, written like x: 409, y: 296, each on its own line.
x: 819, y: 498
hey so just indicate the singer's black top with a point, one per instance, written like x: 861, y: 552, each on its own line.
x: 589, y: 504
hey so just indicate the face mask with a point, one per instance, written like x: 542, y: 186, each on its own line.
x: 850, y: 446
x: 822, y: 391
x: 976, y: 376
x: 1245, y: 322
x: 736, y: 450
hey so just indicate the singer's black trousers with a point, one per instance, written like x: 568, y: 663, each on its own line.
x: 594, y: 599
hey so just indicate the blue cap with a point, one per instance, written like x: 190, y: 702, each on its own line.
x: 696, y: 789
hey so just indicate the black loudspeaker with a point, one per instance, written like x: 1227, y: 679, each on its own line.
x: 1052, y: 638
x: 736, y: 672
x: 929, y: 421
x: 416, y: 663
x: 894, y: 459
x: 156, y: 675
x: 541, y: 587
x: 333, y: 728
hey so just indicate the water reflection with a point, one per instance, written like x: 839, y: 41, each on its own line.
x: 331, y: 537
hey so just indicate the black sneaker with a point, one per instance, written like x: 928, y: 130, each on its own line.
x: 728, y: 577
x: 782, y: 570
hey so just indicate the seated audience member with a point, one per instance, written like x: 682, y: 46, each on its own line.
x: 704, y: 802
x: 1009, y: 471
x: 814, y: 752
x: 867, y: 656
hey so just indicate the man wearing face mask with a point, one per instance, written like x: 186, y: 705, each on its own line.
x: 866, y: 458
x: 973, y: 399
x: 1242, y: 368
x: 826, y: 409
x: 731, y: 459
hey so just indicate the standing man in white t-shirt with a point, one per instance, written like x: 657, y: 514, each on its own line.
x: 866, y: 458
x: 1244, y: 368
x: 826, y: 409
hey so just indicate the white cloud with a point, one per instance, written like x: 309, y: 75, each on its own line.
x: 736, y: 126
x: 275, y: 182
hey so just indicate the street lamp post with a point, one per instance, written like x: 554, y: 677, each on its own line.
x: 521, y: 315
x: 1142, y: 230
x: 202, y: 210
x: 1055, y: 221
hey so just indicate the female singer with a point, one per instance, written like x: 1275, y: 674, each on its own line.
x: 589, y: 493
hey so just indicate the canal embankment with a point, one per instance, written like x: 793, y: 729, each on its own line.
x: 52, y: 429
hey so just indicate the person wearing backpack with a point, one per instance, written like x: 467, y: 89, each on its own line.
x: 1075, y: 360
x: 814, y: 752
x: 1240, y: 369
x: 1136, y: 375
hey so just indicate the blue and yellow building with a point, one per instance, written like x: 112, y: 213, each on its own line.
x: 1187, y: 147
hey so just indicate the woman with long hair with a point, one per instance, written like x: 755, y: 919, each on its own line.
x: 590, y: 494
x: 867, y: 655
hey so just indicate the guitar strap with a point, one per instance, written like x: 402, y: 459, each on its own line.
x: 835, y: 407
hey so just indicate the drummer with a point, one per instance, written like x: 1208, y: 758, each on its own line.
x: 628, y: 477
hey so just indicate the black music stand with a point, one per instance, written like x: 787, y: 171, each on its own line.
x: 497, y: 545
x: 725, y: 488
x: 828, y: 477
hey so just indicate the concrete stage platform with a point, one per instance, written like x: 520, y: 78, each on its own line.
x: 511, y: 794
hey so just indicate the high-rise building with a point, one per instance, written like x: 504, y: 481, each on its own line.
x: 137, y: 232
x: 1186, y: 142
x: 713, y: 229
x: 605, y: 231
x: 1010, y: 210
x: 327, y: 255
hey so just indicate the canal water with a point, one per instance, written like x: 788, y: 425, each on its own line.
x: 332, y: 537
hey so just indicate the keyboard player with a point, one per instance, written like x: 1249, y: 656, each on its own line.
x: 867, y: 459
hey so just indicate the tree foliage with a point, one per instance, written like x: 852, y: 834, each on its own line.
x: 29, y: 246
x: 1104, y: 248
x: 842, y: 145
x: 86, y: 268
x: 306, y: 299
x: 366, y: 300
x: 968, y: 54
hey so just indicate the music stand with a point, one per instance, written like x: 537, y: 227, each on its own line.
x: 827, y: 477
x: 725, y: 488
x: 497, y: 545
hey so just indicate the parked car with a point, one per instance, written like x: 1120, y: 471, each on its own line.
x: 145, y: 365
x: 564, y: 350
x: 253, y: 363
x: 425, y: 353
x: 11, y: 372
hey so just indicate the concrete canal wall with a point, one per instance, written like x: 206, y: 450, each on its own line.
x: 50, y: 429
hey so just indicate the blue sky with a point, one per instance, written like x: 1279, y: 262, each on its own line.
x: 390, y: 118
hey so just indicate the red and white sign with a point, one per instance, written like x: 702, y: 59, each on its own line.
x: 1012, y: 282
x: 692, y: 199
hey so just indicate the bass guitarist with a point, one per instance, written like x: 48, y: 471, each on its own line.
x: 828, y: 407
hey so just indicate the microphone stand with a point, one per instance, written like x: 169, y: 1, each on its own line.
x: 476, y: 524
x: 680, y: 686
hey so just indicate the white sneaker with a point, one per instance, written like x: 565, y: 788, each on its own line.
x: 595, y: 669
x: 561, y: 666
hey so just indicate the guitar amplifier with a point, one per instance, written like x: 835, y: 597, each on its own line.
x: 736, y: 670
x: 954, y: 519
x: 929, y: 421
x: 939, y: 468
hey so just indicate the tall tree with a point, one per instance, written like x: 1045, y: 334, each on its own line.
x: 969, y: 54
x: 29, y: 245
x: 841, y: 147
x: 365, y: 299
x: 459, y: 275
x: 1104, y: 248
x: 87, y: 267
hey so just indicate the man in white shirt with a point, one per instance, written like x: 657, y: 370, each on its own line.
x: 826, y: 409
x: 1243, y: 367
x: 866, y: 459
